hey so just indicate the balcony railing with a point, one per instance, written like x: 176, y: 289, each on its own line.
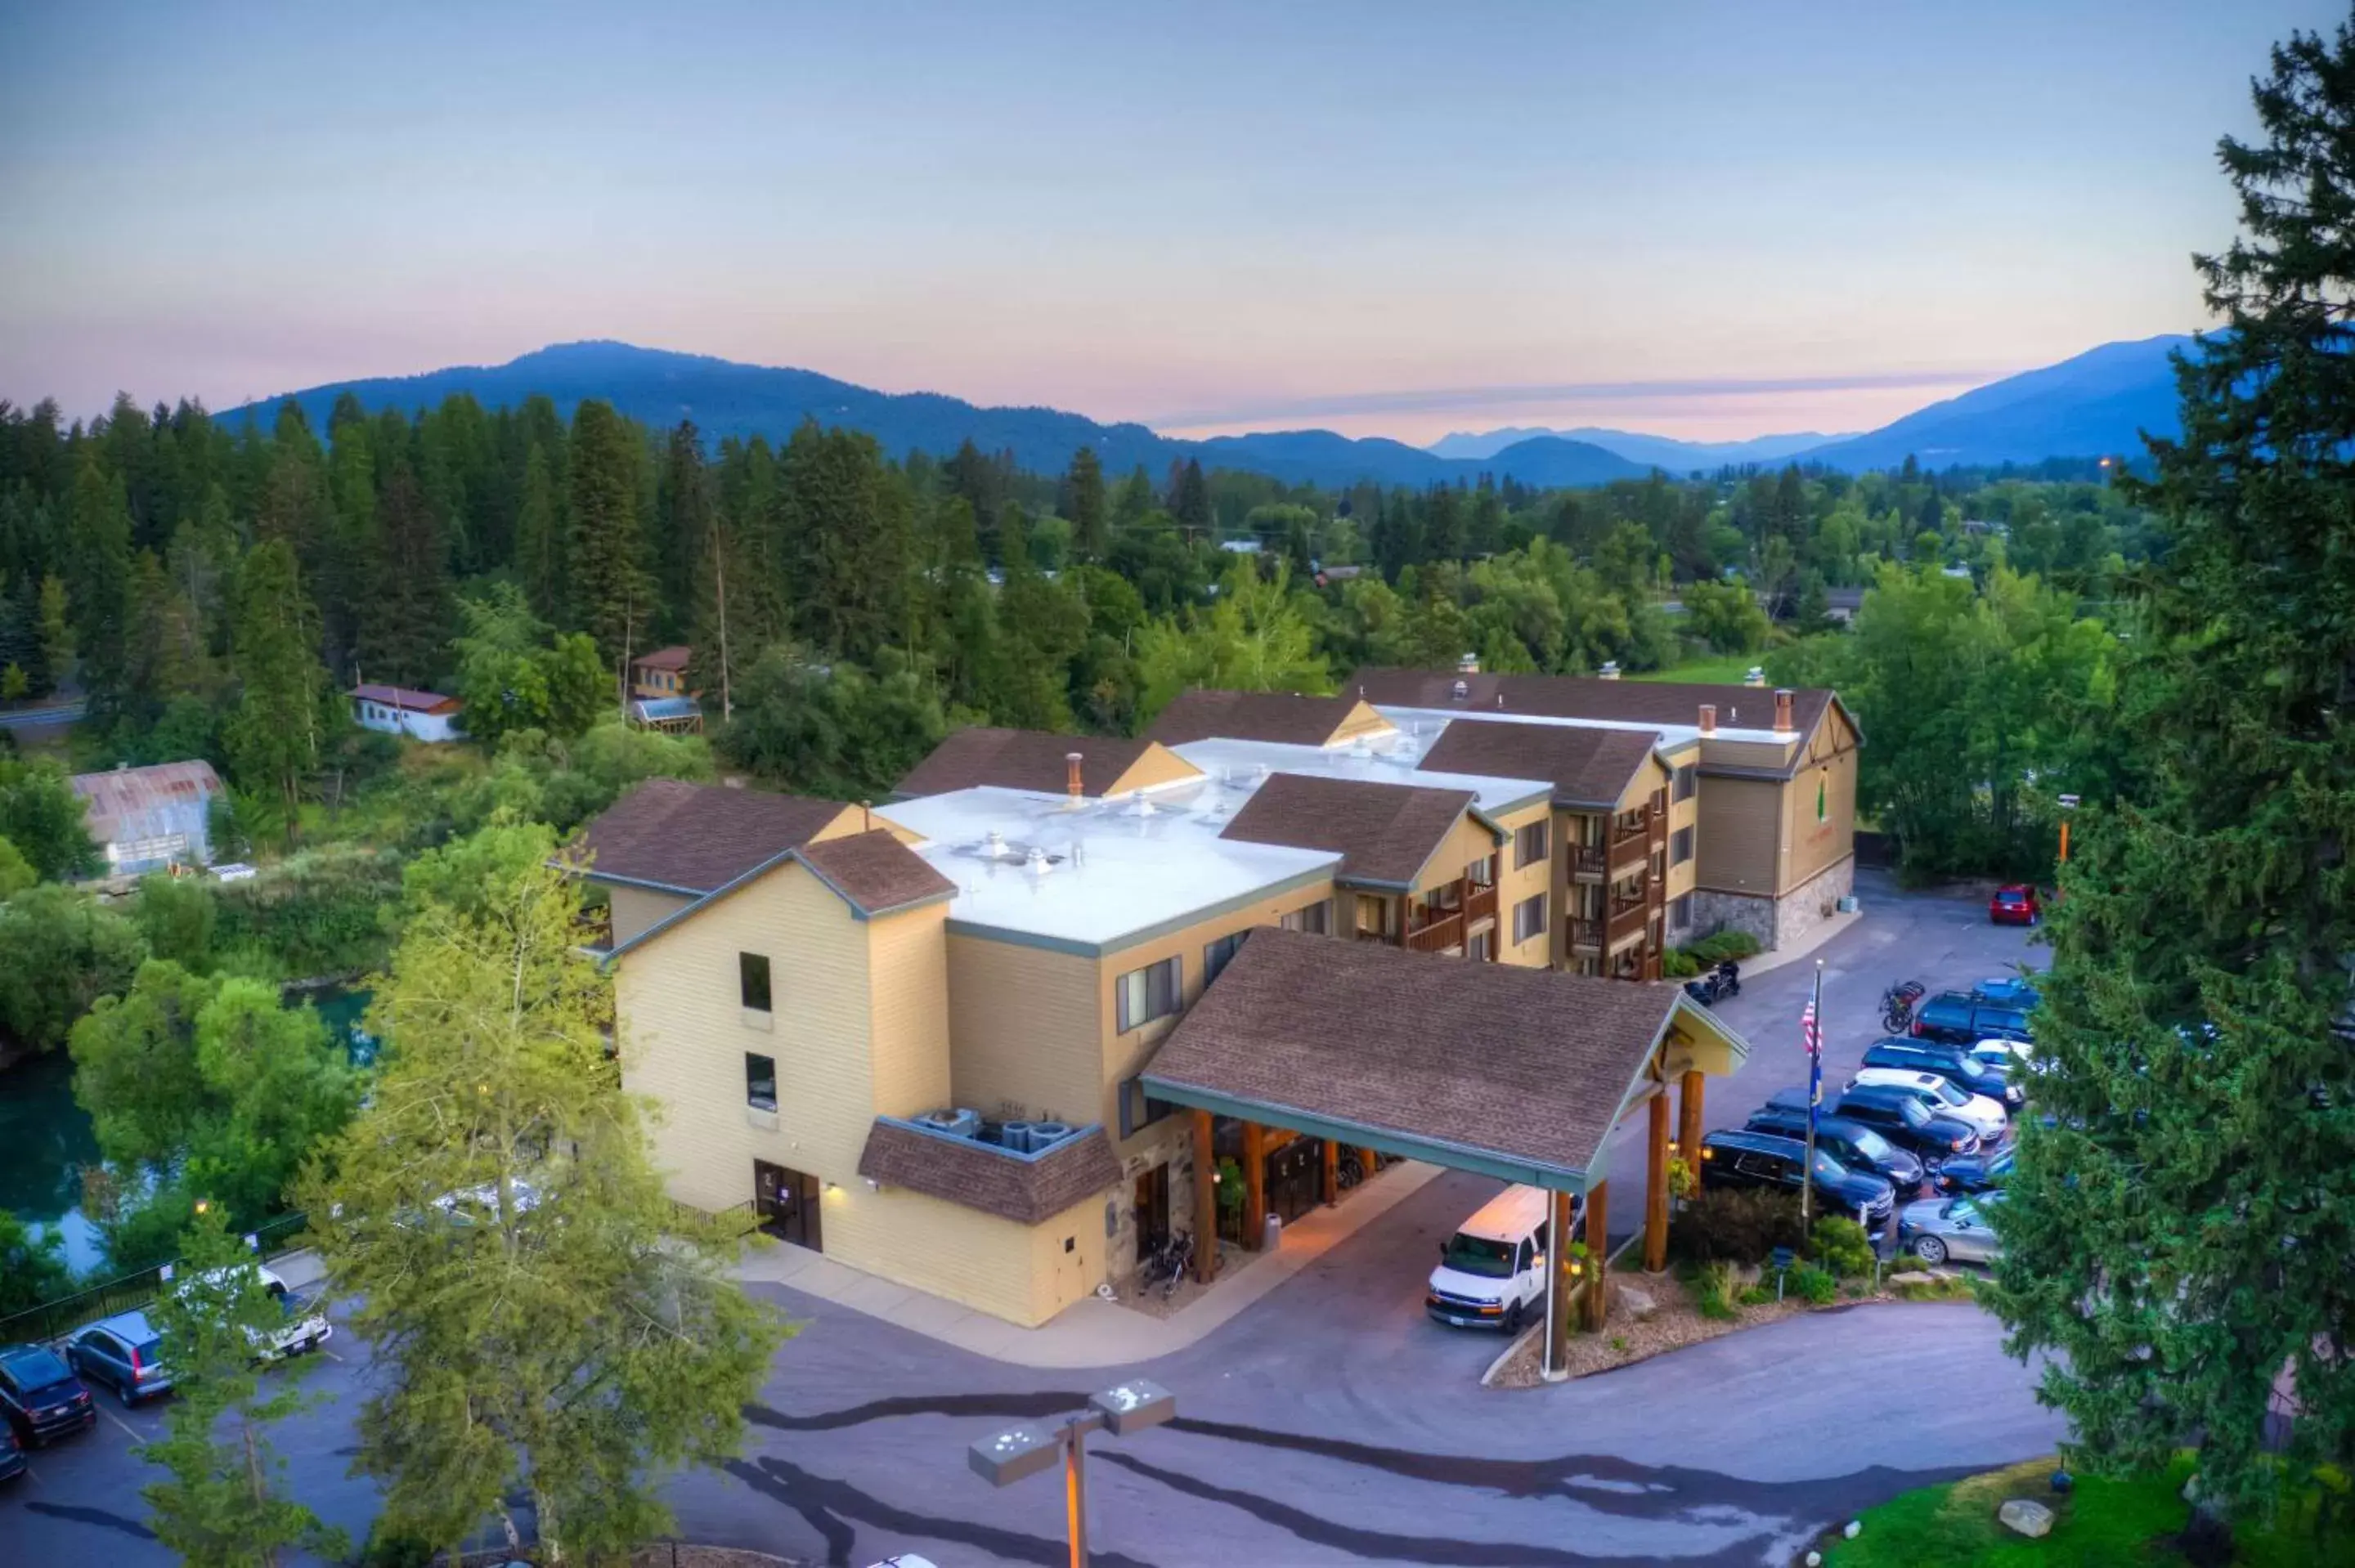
x: 1629, y: 854
x: 1586, y: 935
x: 1437, y: 935
x: 1626, y: 920
x: 1587, y: 863
x: 1480, y: 902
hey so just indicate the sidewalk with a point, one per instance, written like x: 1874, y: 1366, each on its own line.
x: 1092, y: 1332
x: 1765, y: 962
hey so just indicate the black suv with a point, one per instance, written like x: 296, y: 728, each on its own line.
x: 1899, y: 1116
x: 1953, y: 1063
x: 1959, y: 1018
x: 1980, y: 1172
x: 40, y: 1395
x: 1852, y: 1143
x: 1760, y: 1160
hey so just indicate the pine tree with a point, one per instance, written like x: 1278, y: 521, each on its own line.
x: 273, y: 734
x: 97, y: 587
x: 406, y: 611
x: 1191, y: 504
x: 685, y: 519
x: 1085, y: 507
x: 605, y: 563
x: 540, y: 537
x: 2178, y: 1225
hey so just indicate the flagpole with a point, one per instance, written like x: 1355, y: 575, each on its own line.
x: 1814, y: 1096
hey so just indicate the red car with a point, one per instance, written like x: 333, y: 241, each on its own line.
x: 2015, y: 905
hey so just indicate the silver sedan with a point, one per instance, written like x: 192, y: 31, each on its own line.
x: 1938, y: 1229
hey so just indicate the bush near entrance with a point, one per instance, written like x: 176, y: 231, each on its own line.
x: 1739, y: 1226
x: 2099, y: 1523
x: 1711, y: 951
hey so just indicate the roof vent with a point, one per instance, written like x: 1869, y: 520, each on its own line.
x: 1037, y: 863
x: 1756, y: 677
x: 1361, y: 748
x: 994, y: 846
x: 1708, y: 718
x: 1610, y: 671
x: 1072, y: 760
x: 1463, y: 690
x: 1784, y: 723
x: 1138, y: 806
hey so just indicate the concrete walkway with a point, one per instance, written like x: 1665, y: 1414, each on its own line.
x: 1092, y: 1332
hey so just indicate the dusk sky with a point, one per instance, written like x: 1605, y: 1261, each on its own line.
x: 1702, y: 219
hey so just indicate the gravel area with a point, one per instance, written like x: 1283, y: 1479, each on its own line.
x: 1673, y: 1324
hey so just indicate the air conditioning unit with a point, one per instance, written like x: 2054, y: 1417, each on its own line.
x: 955, y: 1123
x: 1015, y: 1135
x: 1046, y: 1134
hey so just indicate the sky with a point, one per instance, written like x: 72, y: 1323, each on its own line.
x: 1707, y: 219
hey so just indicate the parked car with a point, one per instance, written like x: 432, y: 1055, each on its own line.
x: 2014, y: 904
x: 123, y: 1353
x: 1491, y: 1272
x: 1852, y: 1143
x: 1937, y: 1229
x: 1906, y: 1121
x: 1980, y: 1172
x: 1943, y: 1097
x: 12, y: 1453
x: 305, y: 1329
x: 1953, y: 1018
x: 1743, y: 1159
x: 1947, y: 1061
x: 2009, y: 991
x: 40, y: 1395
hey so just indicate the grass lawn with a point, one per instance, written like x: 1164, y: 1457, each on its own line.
x: 2101, y: 1524
x: 1713, y: 669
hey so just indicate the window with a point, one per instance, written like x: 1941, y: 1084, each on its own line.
x: 752, y: 980
x: 1680, y: 846
x: 1373, y: 914
x: 1482, y: 946
x: 1530, y: 843
x: 1680, y: 913
x: 759, y: 1081
x: 1139, y: 1111
x: 1529, y: 918
x: 1483, y: 872
x: 1314, y: 918
x: 1148, y: 993
x: 1216, y: 954
x: 1686, y: 782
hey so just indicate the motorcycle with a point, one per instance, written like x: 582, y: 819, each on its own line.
x: 1897, y: 1005
x: 1719, y: 983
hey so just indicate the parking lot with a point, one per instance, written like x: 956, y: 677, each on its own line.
x: 1331, y: 1423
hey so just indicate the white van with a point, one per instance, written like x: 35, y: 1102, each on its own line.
x: 1491, y: 1272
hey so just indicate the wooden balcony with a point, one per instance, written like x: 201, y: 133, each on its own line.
x: 1627, y: 921
x: 1437, y: 935
x: 1630, y: 853
x: 1480, y: 902
x: 1588, y: 863
x: 1586, y: 935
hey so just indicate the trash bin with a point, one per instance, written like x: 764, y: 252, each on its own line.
x: 1272, y: 1236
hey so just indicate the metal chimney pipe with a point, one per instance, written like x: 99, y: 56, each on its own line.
x: 1708, y: 718
x: 1072, y: 760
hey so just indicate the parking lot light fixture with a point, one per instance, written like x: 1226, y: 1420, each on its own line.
x: 1023, y: 1450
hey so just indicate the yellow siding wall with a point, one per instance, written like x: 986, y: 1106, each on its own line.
x: 1157, y: 765
x: 1741, y: 829
x: 1683, y: 814
x: 907, y: 975
x: 855, y: 820
x: 1361, y: 719
x: 1515, y: 886
x: 1025, y: 1031
x: 1059, y: 1278
x: 635, y: 908
x: 1467, y: 841
x: 1811, y: 845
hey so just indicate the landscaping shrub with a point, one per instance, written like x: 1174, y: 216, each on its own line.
x: 1841, y: 1246
x: 1755, y: 1296
x: 1678, y: 964
x: 1710, y: 951
x: 1712, y: 1291
x: 1740, y: 1226
x: 1816, y: 1286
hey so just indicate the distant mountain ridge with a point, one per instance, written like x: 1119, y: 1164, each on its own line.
x: 2094, y: 404
x: 726, y: 399
x: 1655, y: 451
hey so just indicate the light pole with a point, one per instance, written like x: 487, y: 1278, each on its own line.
x: 2068, y: 804
x: 1019, y: 1452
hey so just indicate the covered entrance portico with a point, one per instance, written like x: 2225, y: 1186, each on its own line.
x: 1517, y: 1074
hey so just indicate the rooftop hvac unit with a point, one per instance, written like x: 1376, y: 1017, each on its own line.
x: 1046, y: 1134
x: 1015, y: 1135
x: 955, y: 1123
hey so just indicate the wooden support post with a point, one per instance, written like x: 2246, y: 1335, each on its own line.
x: 1332, y: 1173
x: 1559, y: 1286
x: 1688, y: 1115
x: 1365, y: 1166
x: 1254, y: 1185
x: 1598, y: 1249
x: 1656, y: 1187
x: 1205, y: 1200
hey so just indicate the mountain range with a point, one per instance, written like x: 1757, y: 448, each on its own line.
x: 2092, y: 405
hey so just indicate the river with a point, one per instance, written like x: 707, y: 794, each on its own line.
x: 46, y: 1140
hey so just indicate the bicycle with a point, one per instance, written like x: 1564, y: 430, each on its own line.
x: 1170, y: 1262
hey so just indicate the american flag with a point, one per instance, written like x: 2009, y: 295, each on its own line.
x: 1811, y: 1033
x: 1811, y: 1030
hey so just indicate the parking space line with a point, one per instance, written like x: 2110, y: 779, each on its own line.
x: 329, y: 1354
x: 136, y: 1436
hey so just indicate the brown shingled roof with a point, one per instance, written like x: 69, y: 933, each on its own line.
x: 699, y: 837
x: 1284, y: 716
x: 1573, y: 696
x: 1383, y: 832
x: 1589, y: 768
x: 672, y: 658
x: 983, y: 1176
x: 875, y: 870
x: 1021, y: 759
x: 1525, y: 1064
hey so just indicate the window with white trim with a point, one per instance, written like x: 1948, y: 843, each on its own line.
x: 1150, y: 993
x: 1529, y: 918
x: 1531, y: 842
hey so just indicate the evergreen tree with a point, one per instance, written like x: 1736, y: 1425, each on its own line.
x: 540, y: 537
x: 97, y: 586
x: 2178, y: 1229
x: 571, y: 1334
x: 611, y: 594
x: 274, y: 734
x: 405, y: 614
x: 1191, y: 502
x: 1084, y: 505
x: 685, y: 520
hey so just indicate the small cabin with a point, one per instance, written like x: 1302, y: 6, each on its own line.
x: 401, y: 710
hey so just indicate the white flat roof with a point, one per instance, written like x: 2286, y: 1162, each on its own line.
x: 1380, y: 759
x: 1430, y: 723
x: 1115, y: 872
